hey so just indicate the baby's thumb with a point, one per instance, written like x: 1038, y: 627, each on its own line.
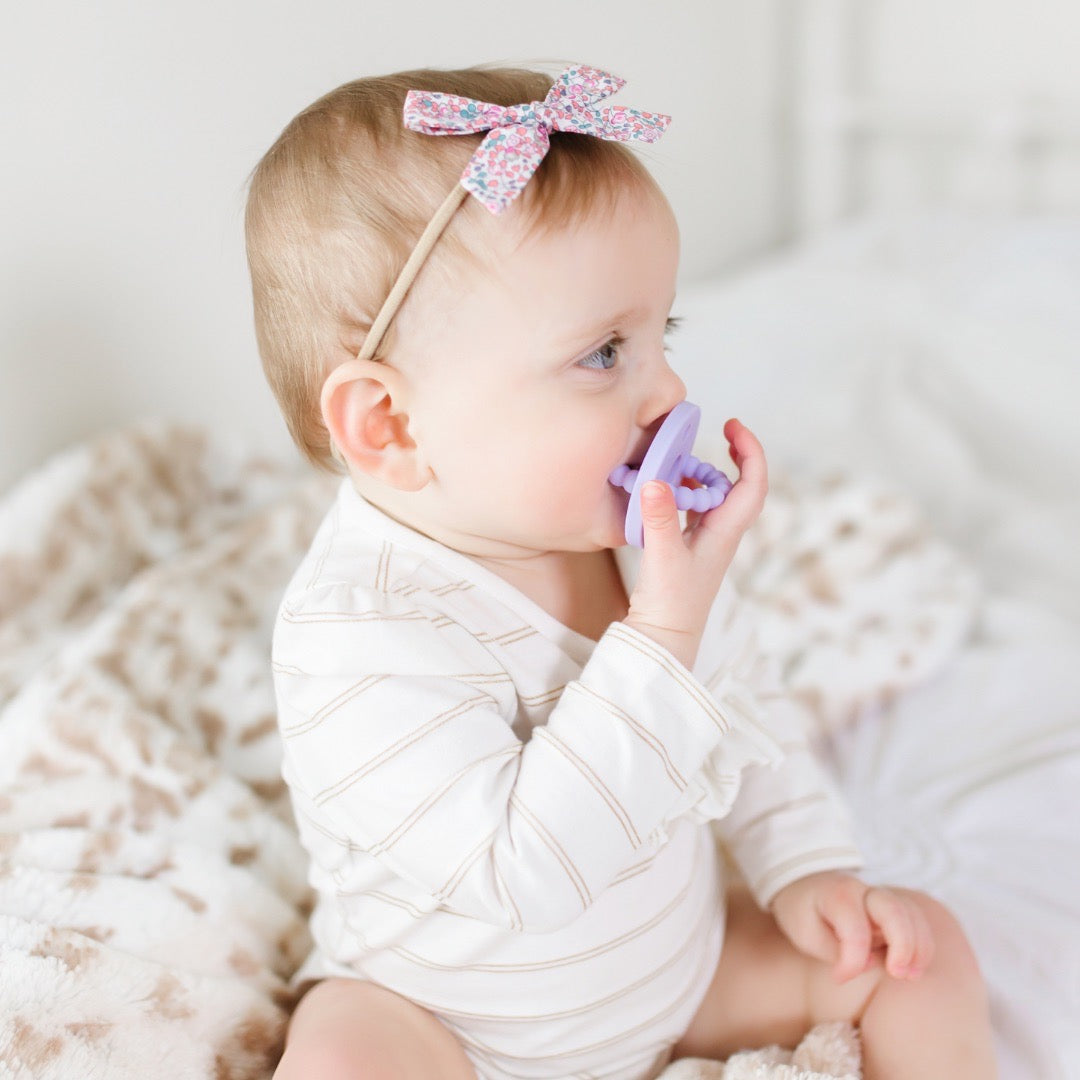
x: 659, y: 517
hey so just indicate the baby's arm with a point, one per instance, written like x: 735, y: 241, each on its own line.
x: 788, y: 820
x: 789, y: 831
x: 396, y: 725
x: 398, y: 742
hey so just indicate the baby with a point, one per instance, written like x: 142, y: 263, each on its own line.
x: 512, y: 741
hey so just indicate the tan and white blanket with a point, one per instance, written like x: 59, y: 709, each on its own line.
x: 152, y: 890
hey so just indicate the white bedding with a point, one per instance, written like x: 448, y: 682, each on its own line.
x: 943, y: 354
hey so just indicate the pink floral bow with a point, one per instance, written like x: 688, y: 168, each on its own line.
x: 517, y: 137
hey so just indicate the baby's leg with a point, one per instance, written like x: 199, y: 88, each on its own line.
x: 345, y: 1029
x: 934, y: 1028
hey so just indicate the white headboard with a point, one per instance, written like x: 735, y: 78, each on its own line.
x: 997, y: 130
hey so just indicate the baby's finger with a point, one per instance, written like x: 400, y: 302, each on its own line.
x: 849, y: 920
x: 892, y: 915
x: 744, y: 501
x: 659, y: 519
x: 924, y: 942
x: 747, y: 453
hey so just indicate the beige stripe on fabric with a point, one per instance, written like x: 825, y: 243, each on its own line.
x: 780, y: 808
x: 372, y: 616
x: 518, y: 923
x: 419, y: 914
x: 309, y: 723
x: 807, y: 858
x: 288, y: 669
x: 531, y: 701
x: 462, y: 585
x: 570, y: 959
x: 494, y: 1056
x: 626, y: 875
x: 401, y: 745
x: 465, y: 866
x: 697, y: 933
x: 319, y: 826
x: 577, y: 879
x: 521, y: 635
x: 595, y: 781
x: 646, y: 736
x: 482, y: 678
x: 511, y: 637
x: 382, y: 569
x: 665, y: 661
x: 335, y: 524
x: 404, y: 826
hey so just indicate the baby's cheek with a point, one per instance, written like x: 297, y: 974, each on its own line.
x: 568, y: 489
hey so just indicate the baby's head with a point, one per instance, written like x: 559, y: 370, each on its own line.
x: 527, y: 359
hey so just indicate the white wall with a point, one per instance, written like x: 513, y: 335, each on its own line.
x: 981, y: 103
x: 129, y: 126
x: 974, y: 49
x: 1004, y: 59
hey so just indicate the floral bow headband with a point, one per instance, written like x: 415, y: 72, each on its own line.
x: 517, y: 140
x: 518, y: 134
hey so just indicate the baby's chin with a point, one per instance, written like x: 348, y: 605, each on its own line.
x: 599, y: 529
x: 609, y: 534
x: 608, y: 527
x: 603, y: 536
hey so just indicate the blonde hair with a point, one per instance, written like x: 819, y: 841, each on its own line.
x: 336, y: 205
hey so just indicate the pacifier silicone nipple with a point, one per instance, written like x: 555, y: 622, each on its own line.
x: 669, y: 459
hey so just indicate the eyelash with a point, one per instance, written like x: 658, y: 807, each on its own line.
x: 615, y: 342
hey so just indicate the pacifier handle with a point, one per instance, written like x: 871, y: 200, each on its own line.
x: 669, y: 459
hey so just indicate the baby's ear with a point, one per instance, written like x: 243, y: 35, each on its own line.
x: 362, y: 404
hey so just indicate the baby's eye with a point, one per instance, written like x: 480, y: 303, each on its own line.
x: 604, y: 358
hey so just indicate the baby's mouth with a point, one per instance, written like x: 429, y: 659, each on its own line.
x: 623, y: 476
x: 629, y: 468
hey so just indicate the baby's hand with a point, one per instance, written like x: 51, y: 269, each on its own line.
x: 837, y: 918
x: 681, y: 571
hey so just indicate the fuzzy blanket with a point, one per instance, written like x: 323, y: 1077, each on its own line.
x: 152, y: 890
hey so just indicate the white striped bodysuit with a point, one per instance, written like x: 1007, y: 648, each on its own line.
x: 515, y: 826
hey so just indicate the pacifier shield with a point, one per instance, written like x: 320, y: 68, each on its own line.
x: 669, y: 459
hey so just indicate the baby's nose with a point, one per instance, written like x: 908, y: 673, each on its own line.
x: 666, y: 390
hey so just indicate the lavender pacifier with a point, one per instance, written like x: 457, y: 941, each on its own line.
x: 669, y: 459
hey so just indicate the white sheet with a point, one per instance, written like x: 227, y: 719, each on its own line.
x: 941, y: 354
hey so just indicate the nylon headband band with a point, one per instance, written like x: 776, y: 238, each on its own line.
x: 428, y: 238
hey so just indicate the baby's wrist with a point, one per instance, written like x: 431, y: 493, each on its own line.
x: 682, y: 644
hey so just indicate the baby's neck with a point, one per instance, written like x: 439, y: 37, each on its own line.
x: 583, y: 590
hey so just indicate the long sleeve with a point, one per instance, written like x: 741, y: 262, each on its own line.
x: 789, y: 820
x: 396, y: 725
